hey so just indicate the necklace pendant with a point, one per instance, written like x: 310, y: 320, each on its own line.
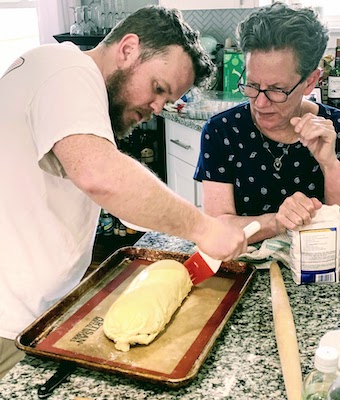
x: 277, y: 164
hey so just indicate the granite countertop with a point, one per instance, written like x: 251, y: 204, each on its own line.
x: 183, y: 119
x: 243, y: 363
x: 196, y: 124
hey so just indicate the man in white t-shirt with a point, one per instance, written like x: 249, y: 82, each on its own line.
x: 59, y: 163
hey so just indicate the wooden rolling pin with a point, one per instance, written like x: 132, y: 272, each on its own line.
x: 285, y: 335
x: 82, y: 398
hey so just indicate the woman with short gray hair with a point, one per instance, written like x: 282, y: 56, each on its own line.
x: 276, y: 156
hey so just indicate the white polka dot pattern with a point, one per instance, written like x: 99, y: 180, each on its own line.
x: 234, y: 152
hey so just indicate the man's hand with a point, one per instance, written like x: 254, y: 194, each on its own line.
x: 222, y: 240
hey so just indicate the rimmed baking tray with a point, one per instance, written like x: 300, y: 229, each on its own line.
x: 72, y: 330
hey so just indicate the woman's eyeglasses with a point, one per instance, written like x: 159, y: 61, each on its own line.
x: 275, y: 95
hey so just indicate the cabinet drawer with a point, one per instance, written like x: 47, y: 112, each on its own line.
x: 182, y: 142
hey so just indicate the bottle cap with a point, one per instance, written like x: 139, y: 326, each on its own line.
x: 332, y: 338
x: 326, y: 359
x: 227, y: 43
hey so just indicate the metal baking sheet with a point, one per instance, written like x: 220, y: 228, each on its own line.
x: 72, y: 330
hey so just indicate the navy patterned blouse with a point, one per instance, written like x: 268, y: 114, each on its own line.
x: 234, y: 151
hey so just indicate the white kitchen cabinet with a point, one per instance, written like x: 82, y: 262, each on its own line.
x: 183, y: 145
x: 208, y: 5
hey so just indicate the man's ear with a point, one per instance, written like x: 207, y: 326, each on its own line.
x: 311, y: 81
x: 128, y: 50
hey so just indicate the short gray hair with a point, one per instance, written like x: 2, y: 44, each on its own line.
x: 278, y: 27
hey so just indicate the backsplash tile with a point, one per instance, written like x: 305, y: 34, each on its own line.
x: 218, y: 23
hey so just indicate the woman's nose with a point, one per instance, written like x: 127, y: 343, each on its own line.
x: 262, y: 100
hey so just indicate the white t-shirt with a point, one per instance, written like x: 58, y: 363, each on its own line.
x: 47, y: 225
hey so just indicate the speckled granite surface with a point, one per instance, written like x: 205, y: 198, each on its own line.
x: 196, y: 124
x: 243, y: 364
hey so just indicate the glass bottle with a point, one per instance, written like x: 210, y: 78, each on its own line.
x: 319, y: 380
x: 99, y: 230
x: 96, y: 11
x: 77, y: 27
x: 120, y: 10
x: 334, y: 391
x: 147, y: 154
x: 122, y: 230
x: 337, y: 49
x: 101, y: 28
x: 89, y: 26
x: 334, y: 80
x: 116, y: 226
x: 107, y: 222
x: 109, y: 15
x: 109, y: 22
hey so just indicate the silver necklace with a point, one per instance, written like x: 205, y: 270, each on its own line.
x: 277, y: 164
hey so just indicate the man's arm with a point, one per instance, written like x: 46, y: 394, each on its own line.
x: 130, y: 191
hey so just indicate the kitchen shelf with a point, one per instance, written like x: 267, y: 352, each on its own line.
x: 81, y: 40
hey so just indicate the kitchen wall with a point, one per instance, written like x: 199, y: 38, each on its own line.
x: 222, y: 24
x: 130, y: 5
x: 218, y: 23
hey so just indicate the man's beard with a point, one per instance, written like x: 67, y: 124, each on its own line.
x: 116, y: 85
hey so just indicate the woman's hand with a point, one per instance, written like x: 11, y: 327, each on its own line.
x: 297, y: 210
x: 318, y: 135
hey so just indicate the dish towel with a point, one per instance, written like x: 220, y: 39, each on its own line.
x: 261, y: 254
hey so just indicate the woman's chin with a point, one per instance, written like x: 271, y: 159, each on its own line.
x: 266, y: 121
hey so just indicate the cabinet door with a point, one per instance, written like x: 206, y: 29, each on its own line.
x: 180, y: 180
x: 182, y: 150
x: 208, y: 5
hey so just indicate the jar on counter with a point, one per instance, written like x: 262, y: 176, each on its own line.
x: 318, y: 382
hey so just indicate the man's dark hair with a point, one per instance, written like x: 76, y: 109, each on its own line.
x: 158, y: 28
x: 278, y: 27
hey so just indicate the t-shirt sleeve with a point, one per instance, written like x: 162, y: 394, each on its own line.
x: 72, y: 101
x: 215, y: 159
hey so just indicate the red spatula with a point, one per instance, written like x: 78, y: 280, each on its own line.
x: 201, y: 266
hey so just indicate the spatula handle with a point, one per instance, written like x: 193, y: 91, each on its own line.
x: 251, y: 229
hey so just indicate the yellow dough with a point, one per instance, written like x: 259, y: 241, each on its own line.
x: 144, y: 308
